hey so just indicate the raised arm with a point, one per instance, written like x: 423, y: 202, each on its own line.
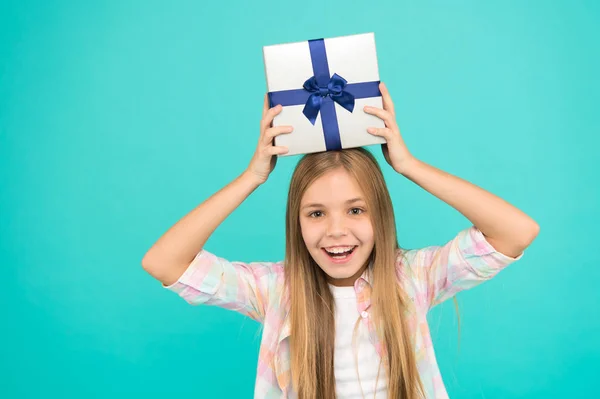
x: 171, y: 255
x: 508, y: 229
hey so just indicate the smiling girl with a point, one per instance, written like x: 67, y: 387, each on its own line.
x: 345, y: 313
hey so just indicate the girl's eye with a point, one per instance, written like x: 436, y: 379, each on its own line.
x: 318, y: 214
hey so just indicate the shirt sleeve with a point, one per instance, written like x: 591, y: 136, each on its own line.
x: 237, y: 286
x: 440, y: 272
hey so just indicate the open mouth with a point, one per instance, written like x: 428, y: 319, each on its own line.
x: 340, y: 255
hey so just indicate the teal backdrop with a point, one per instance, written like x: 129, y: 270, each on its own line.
x: 119, y: 117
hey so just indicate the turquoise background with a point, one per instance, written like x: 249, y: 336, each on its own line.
x: 119, y: 117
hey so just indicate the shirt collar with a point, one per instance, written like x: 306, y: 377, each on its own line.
x: 366, y: 276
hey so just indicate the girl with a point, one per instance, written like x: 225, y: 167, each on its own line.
x: 344, y: 314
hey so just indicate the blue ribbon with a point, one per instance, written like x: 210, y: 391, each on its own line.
x: 319, y: 93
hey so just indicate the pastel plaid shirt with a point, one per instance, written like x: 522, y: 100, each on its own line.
x: 428, y: 275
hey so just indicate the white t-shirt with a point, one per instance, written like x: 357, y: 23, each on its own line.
x: 346, y: 380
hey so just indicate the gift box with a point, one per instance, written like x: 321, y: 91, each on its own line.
x: 323, y: 86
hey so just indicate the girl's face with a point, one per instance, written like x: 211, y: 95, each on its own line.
x: 336, y: 227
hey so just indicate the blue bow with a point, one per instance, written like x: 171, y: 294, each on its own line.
x: 334, y: 90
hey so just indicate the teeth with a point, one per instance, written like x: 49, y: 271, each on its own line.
x: 339, y: 250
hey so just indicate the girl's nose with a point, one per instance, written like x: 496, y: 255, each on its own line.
x: 336, y: 227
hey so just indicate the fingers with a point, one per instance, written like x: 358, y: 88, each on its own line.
x: 386, y: 133
x: 388, y: 104
x: 270, y: 133
x: 268, y: 117
x: 276, y: 150
x: 382, y: 114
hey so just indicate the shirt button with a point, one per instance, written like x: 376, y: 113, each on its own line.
x: 364, y: 314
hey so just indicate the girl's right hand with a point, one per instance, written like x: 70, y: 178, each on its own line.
x: 265, y: 157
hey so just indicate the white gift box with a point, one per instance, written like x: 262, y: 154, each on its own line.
x: 340, y: 68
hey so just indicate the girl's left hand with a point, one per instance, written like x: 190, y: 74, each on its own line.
x: 395, y: 151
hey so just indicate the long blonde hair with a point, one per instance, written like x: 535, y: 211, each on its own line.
x: 310, y: 299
